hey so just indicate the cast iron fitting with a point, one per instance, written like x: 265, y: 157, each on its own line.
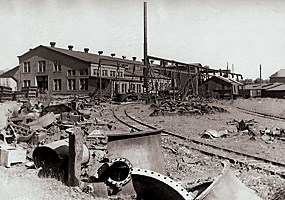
x: 121, y: 170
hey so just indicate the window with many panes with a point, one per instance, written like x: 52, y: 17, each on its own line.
x: 57, y: 84
x: 139, y: 89
x: 56, y: 66
x: 27, y: 67
x: 71, y: 84
x: 26, y: 83
x: 70, y: 72
x: 112, y: 73
x: 120, y: 74
x: 42, y: 66
x: 83, y: 72
x: 83, y: 84
x: 95, y: 72
x: 104, y: 72
x: 124, y: 87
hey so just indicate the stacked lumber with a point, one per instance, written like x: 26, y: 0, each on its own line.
x: 5, y: 93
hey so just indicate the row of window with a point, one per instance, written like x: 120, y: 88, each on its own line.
x: 56, y: 68
x: 132, y: 88
x: 71, y: 84
x: 106, y: 73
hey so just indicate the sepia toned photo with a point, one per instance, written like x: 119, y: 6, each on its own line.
x: 142, y: 100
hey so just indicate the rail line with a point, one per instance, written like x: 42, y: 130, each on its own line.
x: 260, y: 114
x: 236, y: 157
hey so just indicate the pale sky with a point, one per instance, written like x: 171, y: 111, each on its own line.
x: 245, y: 33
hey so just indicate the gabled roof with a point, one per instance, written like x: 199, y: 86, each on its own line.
x: 228, y: 80
x: 280, y: 87
x: 10, y: 73
x: 280, y: 73
x: 263, y: 86
x: 88, y: 57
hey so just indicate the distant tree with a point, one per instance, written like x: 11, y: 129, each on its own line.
x: 256, y: 81
x: 247, y: 81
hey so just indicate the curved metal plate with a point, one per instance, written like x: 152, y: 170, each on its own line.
x: 227, y: 186
x: 152, y: 185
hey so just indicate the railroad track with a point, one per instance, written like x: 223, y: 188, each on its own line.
x: 263, y: 115
x: 236, y: 157
x: 124, y: 118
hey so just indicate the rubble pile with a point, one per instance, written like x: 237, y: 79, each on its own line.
x: 184, y: 108
x: 31, y: 124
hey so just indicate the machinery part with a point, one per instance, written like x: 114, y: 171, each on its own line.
x: 225, y: 186
x: 56, y: 109
x: 142, y: 149
x: 44, y: 121
x: 119, y: 172
x: 53, y: 157
x: 152, y: 185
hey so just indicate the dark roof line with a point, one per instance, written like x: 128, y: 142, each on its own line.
x: 10, y: 73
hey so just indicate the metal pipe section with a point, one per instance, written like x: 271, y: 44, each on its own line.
x: 54, y: 155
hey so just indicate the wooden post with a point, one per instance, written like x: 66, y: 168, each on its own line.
x: 75, y: 156
x: 71, y: 160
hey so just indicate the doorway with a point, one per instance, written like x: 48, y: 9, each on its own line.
x: 42, y: 82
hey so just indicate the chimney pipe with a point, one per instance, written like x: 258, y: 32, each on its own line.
x: 134, y: 58
x: 151, y: 61
x: 86, y: 50
x: 112, y: 54
x: 70, y: 47
x: 100, y: 52
x: 123, y: 57
x: 52, y: 44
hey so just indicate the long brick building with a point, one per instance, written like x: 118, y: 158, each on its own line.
x: 66, y: 71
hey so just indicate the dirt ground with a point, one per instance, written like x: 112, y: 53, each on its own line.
x: 183, y: 165
x: 202, y: 167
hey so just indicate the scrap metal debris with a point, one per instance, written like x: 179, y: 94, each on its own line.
x: 107, y: 163
x: 209, y: 133
x: 184, y: 108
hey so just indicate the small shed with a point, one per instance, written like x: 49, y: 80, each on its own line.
x: 275, y: 92
x: 257, y: 90
x: 219, y: 87
x: 278, y: 76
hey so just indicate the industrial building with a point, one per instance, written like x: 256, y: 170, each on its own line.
x: 66, y: 72
x: 220, y: 87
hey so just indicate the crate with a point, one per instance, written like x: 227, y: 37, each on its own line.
x: 11, y: 155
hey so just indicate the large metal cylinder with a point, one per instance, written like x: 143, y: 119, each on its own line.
x: 54, y: 156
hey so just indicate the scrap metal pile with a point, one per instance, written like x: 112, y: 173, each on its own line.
x: 193, y: 107
x: 67, y: 142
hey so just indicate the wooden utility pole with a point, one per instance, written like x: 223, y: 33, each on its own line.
x: 146, y: 69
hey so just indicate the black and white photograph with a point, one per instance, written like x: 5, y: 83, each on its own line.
x: 142, y: 100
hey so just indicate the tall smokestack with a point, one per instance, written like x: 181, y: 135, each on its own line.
x: 145, y: 33
x: 260, y: 74
x: 145, y: 72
